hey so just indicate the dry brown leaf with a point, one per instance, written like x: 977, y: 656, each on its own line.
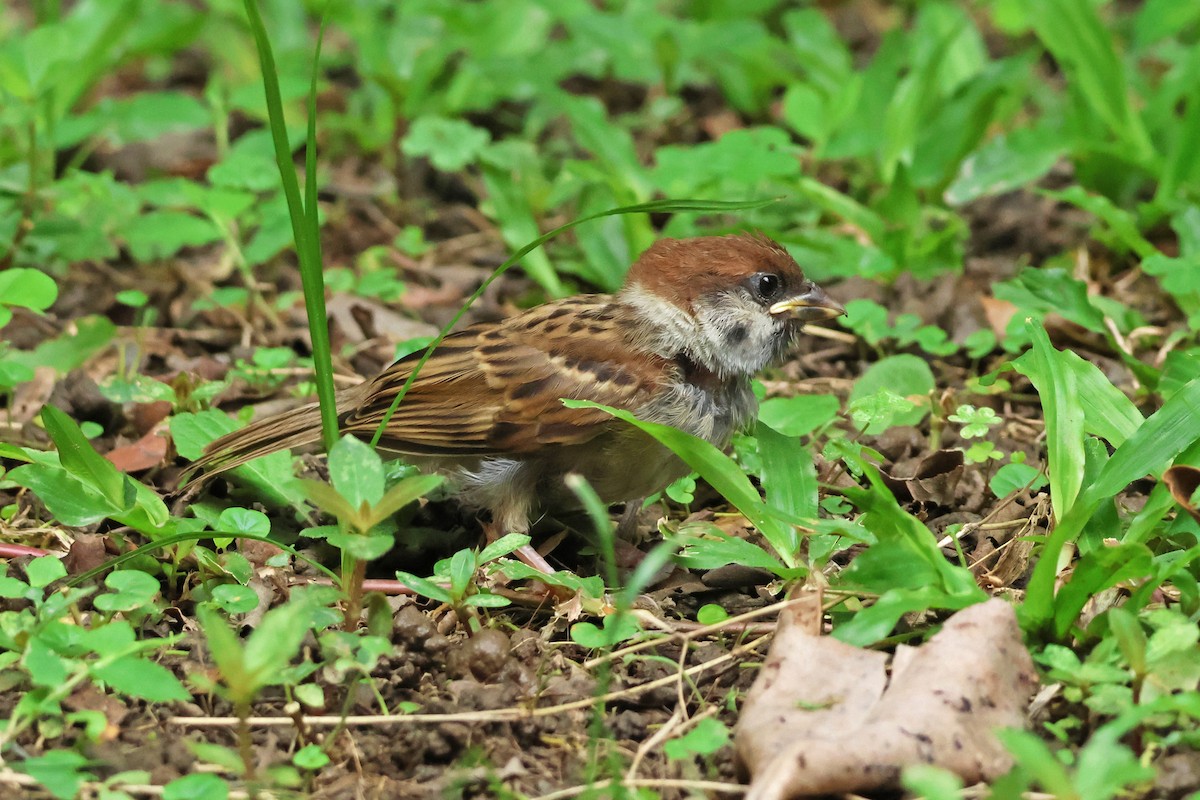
x: 823, y: 718
x: 1183, y: 481
x: 148, y: 451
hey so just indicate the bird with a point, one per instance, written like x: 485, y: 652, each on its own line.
x: 678, y: 344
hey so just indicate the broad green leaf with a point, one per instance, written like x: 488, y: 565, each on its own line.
x: 44, y: 570
x: 138, y: 677
x: 1007, y: 162
x: 1107, y: 412
x: 243, y: 520
x: 719, y: 550
x: 788, y: 475
x: 277, y: 639
x: 70, y: 501
x: 904, y: 375
x: 30, y: 288
x: 197, y: 786
x: 424, y: 587
x: 70, y: 350
x: 363, y: 546
x: 449, y: 144
x: 1058, y: 388
x: 61, y: 772
x: 1163, y: 436
x: 326, y: 498
x: 356, y: 472
x: 79, y: 458
x: 406, y: 491
x: 502, y: 547
x: 270, y: 476
x: 799, y: 415
x: 130, y: 589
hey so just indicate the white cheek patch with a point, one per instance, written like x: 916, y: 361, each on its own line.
x: 738, y: 339
x: 742, y: 337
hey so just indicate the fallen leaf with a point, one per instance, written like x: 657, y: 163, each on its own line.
x: 1183, y: 481
x: 148, y: 451
x: 823, y: 718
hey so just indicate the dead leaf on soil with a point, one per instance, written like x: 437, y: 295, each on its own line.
x: 1183, y: 481
x: 823, y: 718
x: 934, y: 479
x: 148, y: 451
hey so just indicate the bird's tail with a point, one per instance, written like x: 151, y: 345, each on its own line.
x: 295, y: 428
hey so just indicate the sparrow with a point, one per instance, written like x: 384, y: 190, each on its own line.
x: 677, y: 345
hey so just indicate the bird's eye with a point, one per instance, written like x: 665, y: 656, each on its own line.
x: 766, y: 285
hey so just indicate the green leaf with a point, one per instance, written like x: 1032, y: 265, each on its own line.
x: 78, y: 457
x: 226, y: 650
x: 450, y: 144
x: 424, y: 587
x: 161, y: 234
x: 1006, y: 162
x: 60, y: 771
x: 1118, y: 221
x: 1131, y: 639
x: 44, y: 570
x: 45, y: 667
x: 270, y: 476
x: 708, y: 736
x: 277, y: 639
x: 904, y: 375
x: 721, y: 472
x: 1096, y: 571
x: 233, y: 598
x: 131, y: 589
x: 29, y: 288
x: 799, y: 415
x: 789, y: 476
x: 197, y: 786
x: 904, y: 563
x: 1107, y: 412
x: 407, y: 490
x: 1155, y: 444
x: 363, y: 546
x: 1011, y: 477
x: 1058, y: 388
x: 326, y: 498
x: 719, y: 550
x: 243, y: 520
x: 617, y: 627
x: 310, y: 757
x: 502, y: 547
x: 71, y: 502
x: 137, y: 677
x: 356, y: 472
x: 1084, y: 48
x: 462, y: 572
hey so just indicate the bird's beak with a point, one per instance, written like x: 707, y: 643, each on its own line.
x: 810, y: 306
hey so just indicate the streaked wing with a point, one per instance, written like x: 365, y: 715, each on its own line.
x: 496, y: 388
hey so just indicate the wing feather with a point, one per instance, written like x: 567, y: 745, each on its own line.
x: 493, y: 389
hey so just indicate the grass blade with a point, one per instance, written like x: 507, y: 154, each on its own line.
x: 305, y: 224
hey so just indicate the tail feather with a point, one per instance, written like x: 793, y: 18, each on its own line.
x: 295, y: 428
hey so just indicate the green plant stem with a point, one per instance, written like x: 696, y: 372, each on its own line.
x: 244, y: 742
x: 354, y: 571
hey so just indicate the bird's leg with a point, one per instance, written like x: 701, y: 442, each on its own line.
x: 627, y: 527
